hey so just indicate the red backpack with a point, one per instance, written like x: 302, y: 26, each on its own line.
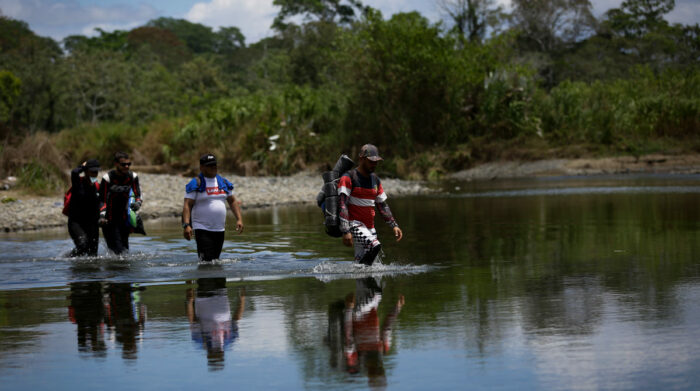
x: 67, y: 197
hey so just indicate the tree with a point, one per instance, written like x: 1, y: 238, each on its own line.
x: 115, y: 41
x: 169, y: 50
x: 329, y: 11
x: 9, y: 92
x: 199, y: 38
x: 636, y: 18
x: 546, y: 25
x: 472, y: 18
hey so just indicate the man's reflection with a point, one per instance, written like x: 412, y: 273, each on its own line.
x: 209, y: 313
x: 86, y: 310
x: 117, y: 305
x: 126, y: 315
x: 362, y: 341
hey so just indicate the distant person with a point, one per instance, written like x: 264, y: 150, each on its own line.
x: 204, y: 210
x: 84, y: 209
x: 360, y: 190
x: 212, y: 326
x: 115, y: 189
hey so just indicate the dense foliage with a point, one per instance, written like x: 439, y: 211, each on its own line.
x: 548, y: 78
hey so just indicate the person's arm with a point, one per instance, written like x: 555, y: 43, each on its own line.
x: 389, y: 322
x: 75, y: 179
x: 344, y: 190
x: 384, y: 210
x: 104, y: 193
x: 235, y: 206
x: 136, y: 205
x: 187, y: 218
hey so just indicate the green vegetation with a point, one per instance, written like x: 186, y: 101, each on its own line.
x: 547, y: 79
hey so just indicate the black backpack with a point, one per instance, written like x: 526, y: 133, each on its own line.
x: 327, y: 198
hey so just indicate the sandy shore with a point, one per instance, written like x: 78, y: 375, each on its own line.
x: 163, y: 195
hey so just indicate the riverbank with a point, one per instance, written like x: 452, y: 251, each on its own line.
x: 163, y: 195
x: 648, y: 164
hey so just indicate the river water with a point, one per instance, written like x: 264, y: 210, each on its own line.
x: 560, y: 283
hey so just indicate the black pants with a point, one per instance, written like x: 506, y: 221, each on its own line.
x: 116, y: 235
x: 85, y: 236
x: 209, y: 244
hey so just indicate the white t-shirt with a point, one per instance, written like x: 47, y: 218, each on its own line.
x: 209, y: 211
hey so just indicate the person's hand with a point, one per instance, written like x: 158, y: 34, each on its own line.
x: 102, y: 221
x: 239, y: 226
x: 398, y: 233
x: 187, y: 233
x: 136, y: 205
x: 347, y: 239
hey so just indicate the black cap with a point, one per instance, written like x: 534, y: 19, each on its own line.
x: 370, y: 152
x: 207, y: 160
x: 92, y: 165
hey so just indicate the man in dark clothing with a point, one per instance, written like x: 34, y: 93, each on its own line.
x: 115, y: 189
x: 84, y: 209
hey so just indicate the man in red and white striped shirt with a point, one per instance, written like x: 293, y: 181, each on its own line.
x: 360, y: 191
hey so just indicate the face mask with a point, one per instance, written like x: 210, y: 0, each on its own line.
x: 93, y: 180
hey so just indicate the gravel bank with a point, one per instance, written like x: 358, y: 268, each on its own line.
x: 163, y: 195
x: 656, y: 164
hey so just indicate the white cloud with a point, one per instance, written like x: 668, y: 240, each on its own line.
x: 252, y: 17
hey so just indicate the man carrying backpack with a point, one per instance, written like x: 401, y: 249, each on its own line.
x: 83, y: 209
x: 360, y: 190
x: 115, y: 190
x: 204, y: 209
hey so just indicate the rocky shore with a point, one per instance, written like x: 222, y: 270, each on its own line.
x: 163, y: 195
x: 648, y: 164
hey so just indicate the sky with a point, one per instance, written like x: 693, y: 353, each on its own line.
x: 60, y: 18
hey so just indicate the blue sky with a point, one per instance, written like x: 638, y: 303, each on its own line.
x: 60, y: 18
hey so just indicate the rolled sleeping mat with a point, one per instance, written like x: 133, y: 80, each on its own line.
x: 329, y: 176
x: 343, y: 164
x: 331, y: 207
x: 320, y: 197
x: 330, y: 189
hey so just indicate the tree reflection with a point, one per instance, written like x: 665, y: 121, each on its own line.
x: 211, y: 324
x: 355, y: 335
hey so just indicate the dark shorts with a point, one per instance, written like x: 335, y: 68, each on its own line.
x: 209, y: 244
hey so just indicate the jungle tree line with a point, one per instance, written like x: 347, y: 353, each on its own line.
x: 547, y: 70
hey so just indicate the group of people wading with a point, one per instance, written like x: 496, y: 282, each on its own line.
x: 111, y: 203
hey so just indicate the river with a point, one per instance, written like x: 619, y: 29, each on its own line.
x: 558, y: 284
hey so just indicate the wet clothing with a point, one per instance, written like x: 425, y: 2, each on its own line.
x: 358, y: 197
x: 208, y: 215
x: 209, y: 210
x: 209, y: 244
x: 83, y: 214
x: 114, y: 196
x: 116, y: 236
x: 86, y: 238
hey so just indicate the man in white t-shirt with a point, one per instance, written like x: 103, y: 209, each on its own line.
x: 204, y: 210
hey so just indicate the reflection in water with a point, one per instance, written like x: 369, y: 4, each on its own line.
x: 86, y: 310
x: 126, y: 315
x: 355, y: 333
x: 118, y: 306
x: 209, y: 313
